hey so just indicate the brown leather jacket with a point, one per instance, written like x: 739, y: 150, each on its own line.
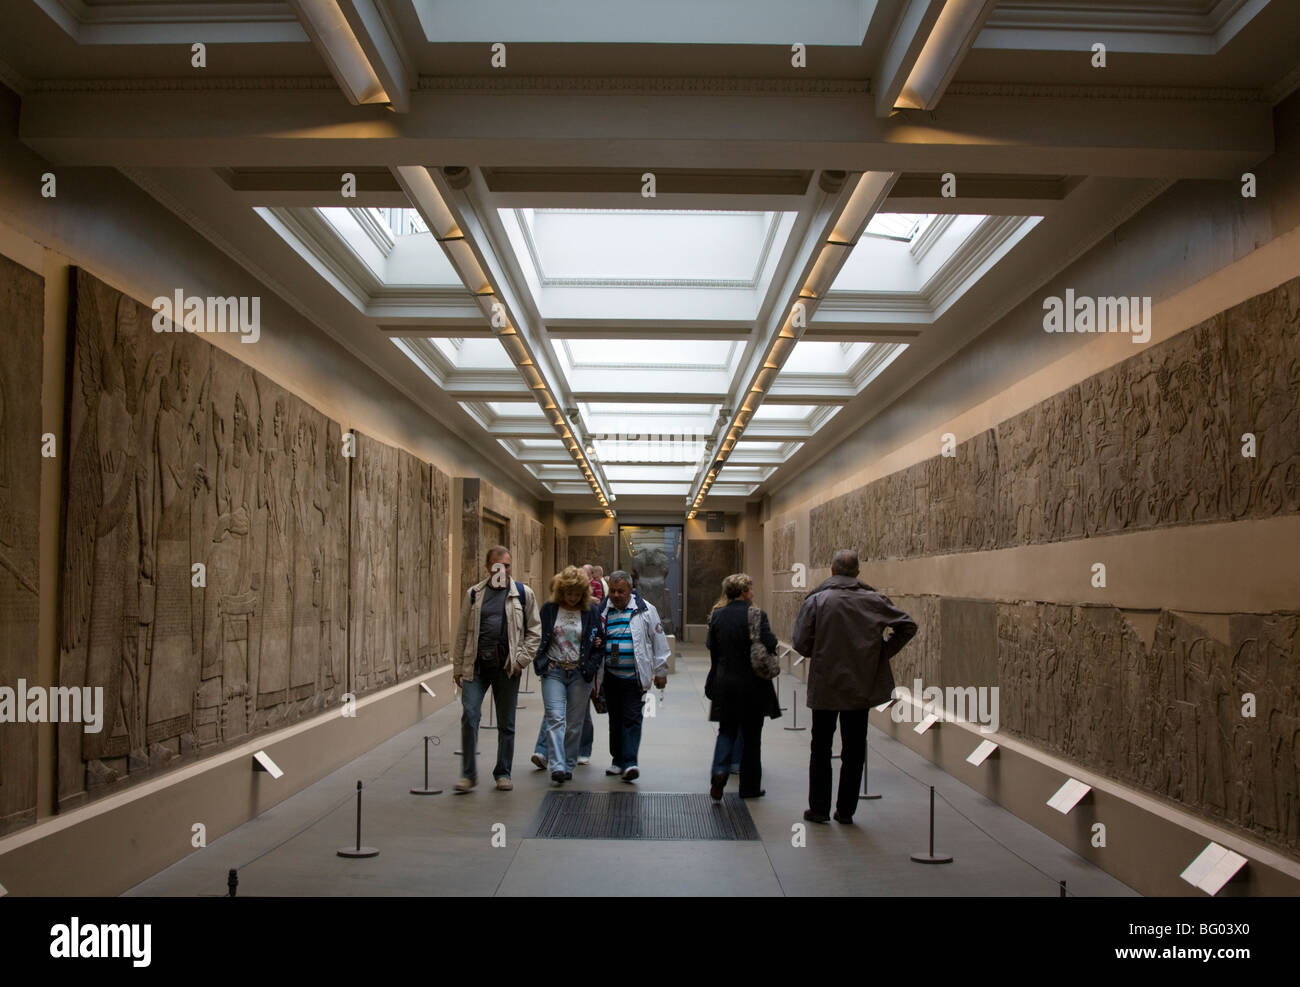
x: 849, y: 632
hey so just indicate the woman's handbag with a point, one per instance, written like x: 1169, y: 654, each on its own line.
x: 765, y: 663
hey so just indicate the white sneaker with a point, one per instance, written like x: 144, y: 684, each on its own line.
x: 539, y: 761
x: 631, y: 773
x: 584, y: 760
x: 613, y: 769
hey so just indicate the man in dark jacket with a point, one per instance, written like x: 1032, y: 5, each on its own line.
x: 848, y: 632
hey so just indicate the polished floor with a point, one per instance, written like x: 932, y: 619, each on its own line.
x: 475, y: 844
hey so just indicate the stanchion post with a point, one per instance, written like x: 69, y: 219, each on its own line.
x: 866, y: 789
x: 794, y: 701
x: 426, y: 790
x: 232, y: 883
x: 359, y: 850
x: 931, y: 857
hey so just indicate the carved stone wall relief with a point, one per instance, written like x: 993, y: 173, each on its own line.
x: 22, y: 316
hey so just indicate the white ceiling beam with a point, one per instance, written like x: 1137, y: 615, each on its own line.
x: 382, y: 44
x: 942, y: 53
x: 1129, y: 136
x: 915, y: 22
x: 336, y: 40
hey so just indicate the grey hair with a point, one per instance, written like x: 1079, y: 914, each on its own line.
x: 845, y: 563
x: 619, y: 576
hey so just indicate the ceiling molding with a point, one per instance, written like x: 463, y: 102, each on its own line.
x: 1021, y: 90
x: 174, y: 23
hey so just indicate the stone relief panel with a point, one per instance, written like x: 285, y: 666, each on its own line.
x: 1263, y: 349
x: 1152, y: 441
x: 785, y: 609
x: 414, y: 617
x: 783, y: 559
x: 22, y: 318
x: 709, y: 561
x: 440, y: 636
x: 204, y: 573
x: 968, y: 630
x: 920, y: 658
x: 593, y: 550
x: 1079, y: 682
x: 373, y: 647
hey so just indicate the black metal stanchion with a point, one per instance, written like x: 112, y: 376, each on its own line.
x: 931, y: 857
x: 1061, y: 895
x: 426, y: 790
x: 232, y: 882
x: 866, y: 755
x: 358, y: 850
x: 492, y: 705
x: 794, y: 701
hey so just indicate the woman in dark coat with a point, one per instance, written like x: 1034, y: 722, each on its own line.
x: 740, y: 700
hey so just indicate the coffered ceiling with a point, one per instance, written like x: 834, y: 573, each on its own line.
x: 653, y: 259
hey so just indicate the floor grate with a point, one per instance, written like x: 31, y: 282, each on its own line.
x: 642, y: 816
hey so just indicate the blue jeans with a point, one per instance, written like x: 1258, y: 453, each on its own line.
x: 565, y: 695
x: 741, y: 737
x: 505, y: 693
x: 588, y: 732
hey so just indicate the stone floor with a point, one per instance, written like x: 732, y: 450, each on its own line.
x: 444, y: 844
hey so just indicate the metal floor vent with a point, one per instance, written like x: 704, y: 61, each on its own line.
x: 642, y: 816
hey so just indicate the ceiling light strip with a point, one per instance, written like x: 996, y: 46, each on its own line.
x: 819, y: 273
x: 466, y: 256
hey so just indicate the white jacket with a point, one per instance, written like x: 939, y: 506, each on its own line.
x: 649, y: 644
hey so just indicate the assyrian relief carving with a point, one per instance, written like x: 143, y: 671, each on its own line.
x: 1263, y: 349
x: 1155, y: 440
x: 440, y: 562
x: 21, y: 321
x: 1079, y: 682
x: 710, y: 561
x: 783, y: 548
x: 205, y: 556
x: 374, y: 565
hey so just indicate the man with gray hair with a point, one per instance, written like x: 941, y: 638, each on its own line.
x: 636, y: 654
x: 848, y: 631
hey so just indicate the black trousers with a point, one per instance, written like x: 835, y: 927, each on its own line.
x: 623, y: 698
x: 750, y: 730
x: 853, y: 753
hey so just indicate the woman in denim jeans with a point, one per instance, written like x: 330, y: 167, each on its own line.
x: 570, y: 652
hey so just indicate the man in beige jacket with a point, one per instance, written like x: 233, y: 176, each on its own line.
x: 499, y: 633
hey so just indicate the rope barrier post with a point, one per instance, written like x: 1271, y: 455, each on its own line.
x: 232, y: 883
x: 866, y: 756
x: 1062, y: 889
x: 794, y: 701
x: 426, y: 790
x: 931, y: 857
x: 359, y: 850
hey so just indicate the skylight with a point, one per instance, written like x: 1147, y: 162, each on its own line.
x: 401, y: 222
x: 898, y: 225
x: 644, y: 246
x: 650, y: 352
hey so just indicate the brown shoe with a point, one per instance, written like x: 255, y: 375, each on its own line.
x: 716, y: 784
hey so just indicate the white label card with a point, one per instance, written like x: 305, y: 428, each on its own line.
x: 928, y: 722
x: 1068, y: 796
x: 981, y: 753
x: 264, y: 759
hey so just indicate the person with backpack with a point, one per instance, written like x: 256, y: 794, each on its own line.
x: 739, y: 687
x: 497, y: 637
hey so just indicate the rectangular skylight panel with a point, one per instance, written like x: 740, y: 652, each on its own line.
x: 623, y: 352
x: 516, y: 409
x: 771, y: 411
x: 814, y: 357
x: 646, y: 245
x: 650, y: 489
x: 648, y: 473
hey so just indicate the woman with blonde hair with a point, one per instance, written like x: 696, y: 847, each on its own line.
x: 740, y: 698
x: 567, y: 659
